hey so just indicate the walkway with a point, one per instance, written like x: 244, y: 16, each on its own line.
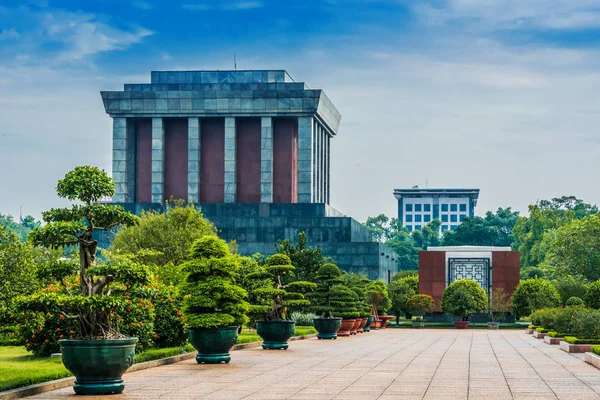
x: 385, y: 364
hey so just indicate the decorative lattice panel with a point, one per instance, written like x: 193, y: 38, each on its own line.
x: 477, y: 269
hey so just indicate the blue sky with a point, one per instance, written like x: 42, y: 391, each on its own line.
x: 500, y: 95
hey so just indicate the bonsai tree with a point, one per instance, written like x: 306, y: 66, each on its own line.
x: 534, y: 294
x: 94, y: 303
x: 326, y: 277
x: 358, y: 283
x: 377, y: 296
x: 214, y: 306
x: 211, y: 297
x: 344, y: 302
x: 464, y: 298
x: 285, y: 297
x: 420, y: 304
x: 500, y: 304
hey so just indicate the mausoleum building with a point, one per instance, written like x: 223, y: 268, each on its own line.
x: 251, y: 148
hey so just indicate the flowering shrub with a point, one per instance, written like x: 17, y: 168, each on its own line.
x: 169, y: 329
x: 586, y: 324
x: 420, y: 304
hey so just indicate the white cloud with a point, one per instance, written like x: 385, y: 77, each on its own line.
x: 165, y: 56
x: 196, y: 7
x: 243, y: 5
x: 234, y: 6
x: 9, y: 34
x: 143, y: 5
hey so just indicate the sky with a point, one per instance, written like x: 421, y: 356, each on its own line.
x: 497, y: 95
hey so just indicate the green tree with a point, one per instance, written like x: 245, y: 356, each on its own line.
x: 17, y: 272
x: 533, y: 294
x: 429, y: 235
x: 405, y: 274
x: 75, y: 227
x: 22, y: 229
x: 211, y: 297
x: 164, y: 238
x: 395, y: 236
x: 344, y: 302
x: 400, y: 291
x: 576, y: 249
x: 570, y: 286
x: 464, y: 298
x: 377, y: 296
x: 592, y: 297
x: 305, y: 259
x: 327, y: 276
x: 495, y: 229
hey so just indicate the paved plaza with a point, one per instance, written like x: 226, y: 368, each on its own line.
x: 385, y: 364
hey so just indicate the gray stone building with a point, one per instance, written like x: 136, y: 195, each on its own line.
x: 251, y: 148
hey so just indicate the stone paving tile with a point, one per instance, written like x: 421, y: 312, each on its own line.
x: 386, y: 364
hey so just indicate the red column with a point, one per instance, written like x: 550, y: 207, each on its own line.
x: 432, y: 275
x: 144, y: 160
x: 285, y: 160
x: 248, y: 160
x: 176, y: 157
x: 212, y: 160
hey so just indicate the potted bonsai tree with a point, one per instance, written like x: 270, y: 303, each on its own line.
x: 400, y: 291
x: 327, y: 324
x: 278, y: 326
x: 377, y: 296
x: 98, y: 355
x: 500, y: 305
x: 214, y: 307
x: 463, y: 298
x: 358, y: 283
x: 419, y: 305
x: 344, y: 302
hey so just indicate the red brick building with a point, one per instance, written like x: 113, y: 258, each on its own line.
x: 491, y: 267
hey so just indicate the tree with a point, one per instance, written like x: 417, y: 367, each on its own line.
x: 17, y: 272
x: 22, y: 229
x: 429, y: 235
x: 305, y: 259
x: 396, y: 237
x: 400, y: 291
x: 211, y: 297
x: 492, y: 230
x: 464, y: 298
x: 327, y: 276
x: 75, y: 227
x: 405, y: 274
x: 576, y: 249
x: 533, y: 294
x: 377, y: 296
x: 592, y: 297
x: 570, y: 286
x: 164, y: 238
x: 378, y: 226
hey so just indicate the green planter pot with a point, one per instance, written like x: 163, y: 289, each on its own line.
x: 98, y: 365
x: 367, y: 327
x: 327, y: 327
x: 213, y: 344
x: 275, y: 334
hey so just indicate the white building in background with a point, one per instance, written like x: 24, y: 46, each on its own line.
x: 417, y: 207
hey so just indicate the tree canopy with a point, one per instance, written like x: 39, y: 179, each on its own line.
x: 495, y: 229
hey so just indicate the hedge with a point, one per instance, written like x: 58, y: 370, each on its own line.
x: 596, y: 350
x: 574, y: 340
x: 541, y: 330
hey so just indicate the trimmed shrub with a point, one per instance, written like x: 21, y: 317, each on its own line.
x: 575, y: 340
x: 541, y: 330
x: 303, y: 319
x: 400, y: 291
x: 564, y: 320
x: 534, y: 294
x: 328, y: 275
x: 344, y: 302
x: 574, y: 302
x: 377, y: 296
x: 464, y: 298
x: 596, y: 350
x: 211, y: 297
x: 420, y: 304
x: 586, y: 324
x: 592, y: 297
x: 570, y: 286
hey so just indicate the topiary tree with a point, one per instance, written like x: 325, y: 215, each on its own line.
x: 377, y: 296
x: 575, y: 302
x: 358, y: 284
x: 500, y: 304
x: 284, y: 297
x: 592, y: 297
x: 464, y: 298
x: 570, y: 286
x: 327, y: 276
x: 420, y: 304
x: 74, y: 226
x: 344, y: 302
x: 211, y: 297
x: 533, y: 294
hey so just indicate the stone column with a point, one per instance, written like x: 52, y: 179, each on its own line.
x: 131, y: 162
x: 266, y: 160
x: 324, y: 135
x: 158, y: 160
x: 318, y: 134
x: 193, y: 160
x: 230, y: 160
x: 305, y: 159
x: 119, y: 169
x: 328, y: 168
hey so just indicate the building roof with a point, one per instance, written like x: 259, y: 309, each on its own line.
x: 417, y: 192
x: 221, y: 93
x: 468, y: 249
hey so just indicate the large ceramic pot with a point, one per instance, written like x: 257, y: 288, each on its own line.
x: 384, y: 319
x: 362, y: 325
x: 327, y: 327
x: 461, y: 324
x: 213, y: 344
x: 376, y: 324
x: 347, y: 325
x: 357, y: 323
x: 275, y: 334
x: 367, y: 327
x: 98, y: 365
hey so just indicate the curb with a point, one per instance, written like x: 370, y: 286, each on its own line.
x: 66, y: 382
